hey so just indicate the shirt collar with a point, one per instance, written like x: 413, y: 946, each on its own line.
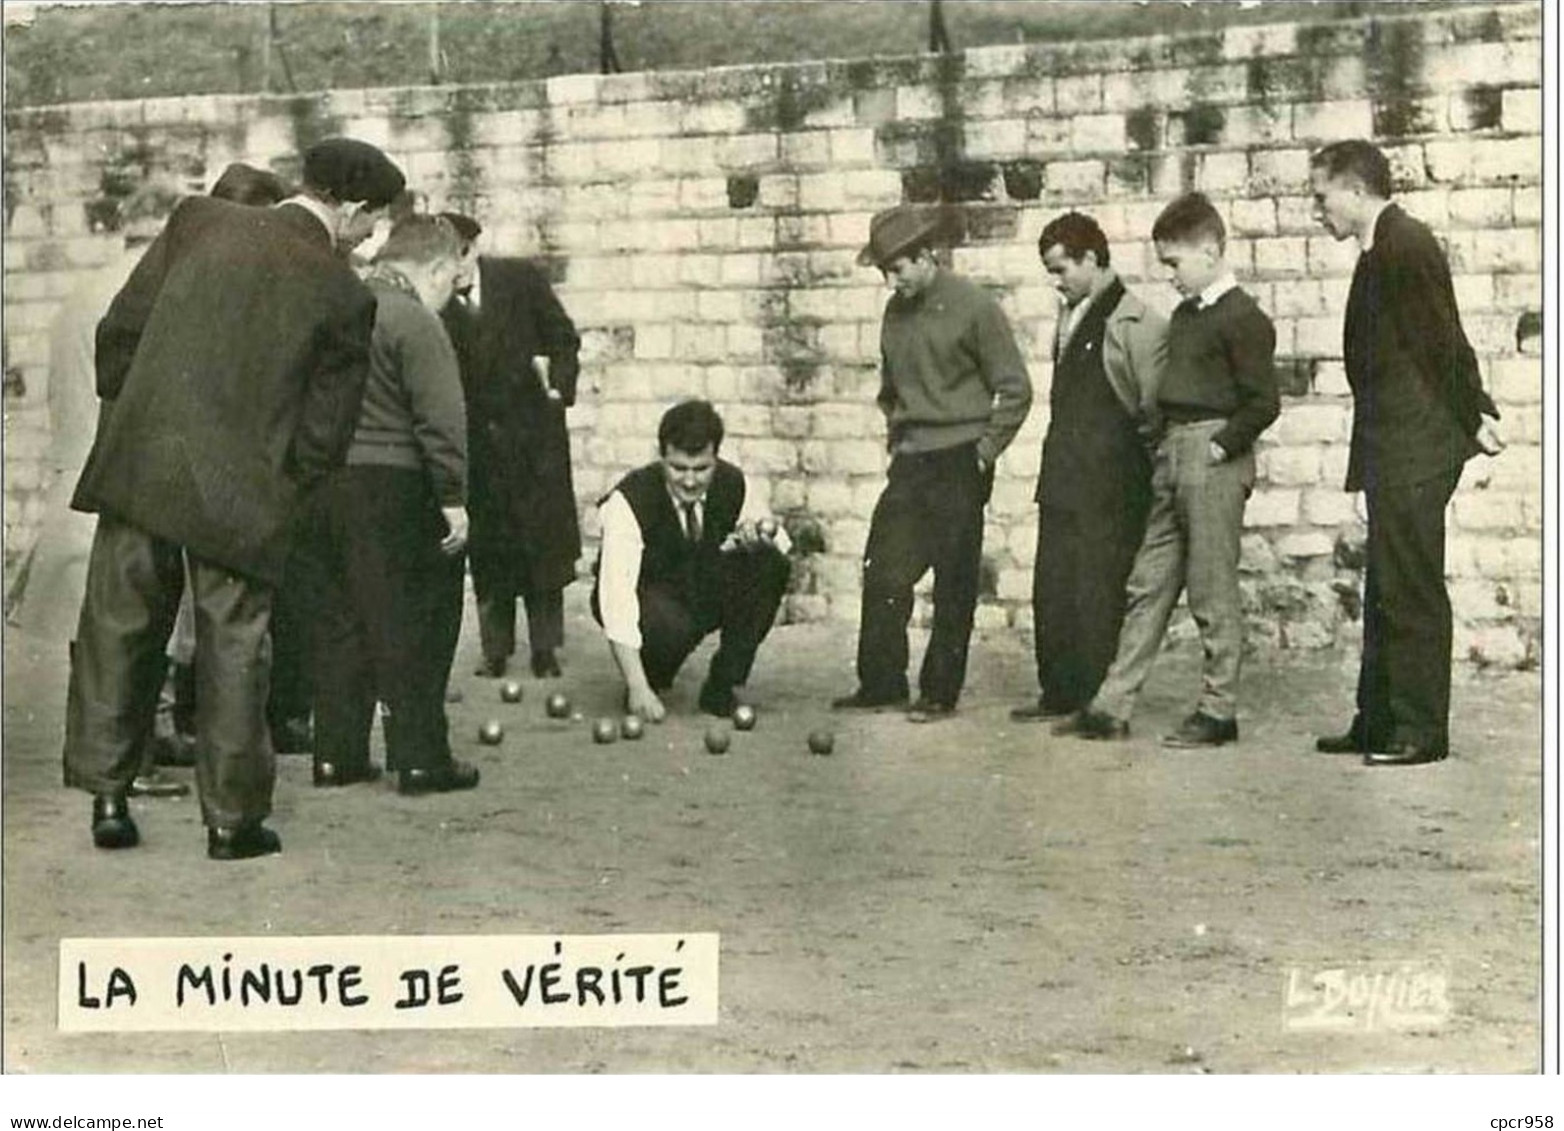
x: 316, y: 209
x: 1213, y: 294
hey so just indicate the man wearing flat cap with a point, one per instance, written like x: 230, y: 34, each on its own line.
x: 236, y: 355
x: 955, y: 392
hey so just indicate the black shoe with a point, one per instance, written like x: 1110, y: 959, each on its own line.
x: 294, y: 736
x: 174, y: 750
x: 545, y: 665
x: 111, y: 823
x: 928, y: 711
x: 1406, y: 754
x: 1201, y: 729
x: 717, y: 701
x: 1354, y: 740
x: 1038, y: 712
x: 861, y: 700
x: 329, y: 774
x: 491, y: 669
x: 241, y: 843
x: 154, y: 784
x: 453, y: 775
x: 1098, y: 726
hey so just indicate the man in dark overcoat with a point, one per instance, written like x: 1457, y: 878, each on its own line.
x: 236, y: 356
x: 1418, y: 408
x: 518, y: 354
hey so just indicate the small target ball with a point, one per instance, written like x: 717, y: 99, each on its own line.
x: 490, y: 733
x: 557, y: 705
x: 743, y: 717
x: 604, y: 731
x: 510, y: 691
x: 631, y: 727
x: 821, y: 742
x: 717, y: 739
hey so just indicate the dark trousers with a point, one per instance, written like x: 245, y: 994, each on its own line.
x: 1078, y: 577
x: 497, y: 621
x: 929, y: 516
x: 383, y: 629
x: 293, y: 612
x: 1404, y: 680
x: 134, y: 582
x: 740, y: 601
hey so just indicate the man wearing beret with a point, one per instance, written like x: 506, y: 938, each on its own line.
x: 236, y: 355
x: 955, y: 392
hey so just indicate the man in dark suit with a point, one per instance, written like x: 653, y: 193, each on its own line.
x: 1417, y: 418
x: 236, y: 356
x: 518, y: 353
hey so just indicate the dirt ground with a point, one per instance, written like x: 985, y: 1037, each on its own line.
x: 963, y: 897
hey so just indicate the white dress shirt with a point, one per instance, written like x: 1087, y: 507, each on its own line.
x: 620, y: 567
x: 1223, y: 283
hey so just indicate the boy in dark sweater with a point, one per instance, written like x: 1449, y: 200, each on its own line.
x: 387, y: 531
x: 1217, y: 395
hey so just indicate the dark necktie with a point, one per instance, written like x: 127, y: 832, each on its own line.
x: 692, y: 524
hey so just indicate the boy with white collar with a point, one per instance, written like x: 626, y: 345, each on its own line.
x: 1218, y: 393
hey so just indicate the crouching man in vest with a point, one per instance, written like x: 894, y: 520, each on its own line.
x: 683, y: 557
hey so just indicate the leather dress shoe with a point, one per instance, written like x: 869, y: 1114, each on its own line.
x: 545, y: 665
x: 1201, y: 729
x: 241, y: 843
x: 176, y: 749
x: 452, y: 776
x: 1038, y: 712
x: 928, y: 711
x: 861, y: 700
x: 293, y: 736
x: 1354, y: 740
x: 717, y: 701
x: 1099, y: 726
x: 491, y: 669
x: 155, y: 784
x: 112, y: 826
x: 329, y: 774
x: 1406, y: 754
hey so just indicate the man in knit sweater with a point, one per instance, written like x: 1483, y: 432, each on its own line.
x: 386, y: 533
x: 954, y: 391
x: 1218, y: 393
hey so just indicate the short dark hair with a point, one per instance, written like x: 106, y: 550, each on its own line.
x: 1189, y: 218
x: 1357, y: 159
x: 1077, y: 233
x: 245, y: 184
x: 466, y: 227
x: 421, y: 240
x: 690, y: 426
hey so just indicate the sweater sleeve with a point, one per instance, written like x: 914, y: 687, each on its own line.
x: 434, y: 388
x: 1004, y: 373
x: 1250, y: 342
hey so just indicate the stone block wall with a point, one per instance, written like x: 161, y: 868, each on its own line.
x: 702, y: 228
